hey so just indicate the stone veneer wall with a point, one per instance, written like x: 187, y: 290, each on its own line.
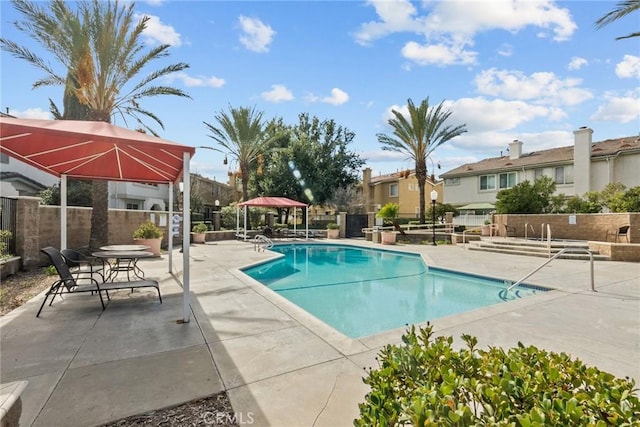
x: 38, y: 226
x: 587, y: 226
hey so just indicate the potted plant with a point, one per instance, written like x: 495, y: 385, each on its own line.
x: 486, y: 228
x: 198, y: 234
x: 149, y: 234
x: 389, y: 212
x: 333, y: 230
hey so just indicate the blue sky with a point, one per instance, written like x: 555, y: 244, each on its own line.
x: 528, y: 70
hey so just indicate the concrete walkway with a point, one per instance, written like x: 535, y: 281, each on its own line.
x: 280, y: 366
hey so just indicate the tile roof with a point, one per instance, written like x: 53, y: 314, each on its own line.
x: 561, y: 155
x: 395, y: 176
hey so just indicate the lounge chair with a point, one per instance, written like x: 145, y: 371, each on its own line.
x: 81, y: 265
x: 620, y: 232
x: 68, y: 284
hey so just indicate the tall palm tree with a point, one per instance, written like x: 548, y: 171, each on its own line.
x: 622, y: 9
x: 101, y: 52
x: 241, y: 133
x: 418, y: 135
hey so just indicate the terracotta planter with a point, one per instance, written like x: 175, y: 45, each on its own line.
x: 198, y: 237
x: 486, y: 230
x: 333, y: 234
x: 154, y: 245
x: 388, y: 238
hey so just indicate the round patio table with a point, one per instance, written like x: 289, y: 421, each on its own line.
x: 125, y: 261
x: 124, y: 248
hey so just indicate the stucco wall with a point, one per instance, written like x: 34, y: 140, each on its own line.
x: 586, y: 227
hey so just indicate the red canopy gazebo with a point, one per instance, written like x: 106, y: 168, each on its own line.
x: 272, y: 202
x: 99, y: 150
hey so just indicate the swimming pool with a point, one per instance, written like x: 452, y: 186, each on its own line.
x: 362, y: 291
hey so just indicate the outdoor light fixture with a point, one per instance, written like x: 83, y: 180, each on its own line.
x: 225, y: 161
x: 434, y: 197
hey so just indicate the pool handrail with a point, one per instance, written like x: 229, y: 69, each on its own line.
x: 535, y: 270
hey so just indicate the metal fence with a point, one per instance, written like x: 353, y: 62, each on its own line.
x: 8, y: 208
x: 471, y: 220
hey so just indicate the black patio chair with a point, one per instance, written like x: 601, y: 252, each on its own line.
x: 68, y: 284
x: 620, y: 232
x: 81, y: 265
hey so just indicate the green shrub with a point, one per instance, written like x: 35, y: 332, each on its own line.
x: 425, y: 381
x: 147, y: 230
x: 200, y: 227
x: 333, y: 226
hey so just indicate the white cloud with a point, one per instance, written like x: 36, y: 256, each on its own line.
x: 159, y: 33
x: 199, y: 81
x: 629, y: 67
x: 576, y: 63
x: 482, y: 115
x: 338, y: 97
x: 31, y: 113
x: 505, y: 50
x: 464, y: 17
x: 542, y: 86
x: 278, y: 93
x: 618, y: 109
x: 256, y: 36
x: 438, y: 54
x: 449, y: 26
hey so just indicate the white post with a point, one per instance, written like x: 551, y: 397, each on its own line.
x: 186, y: 228
x: 170, y: 230
x: 307, y: 224
x: 63, y: 212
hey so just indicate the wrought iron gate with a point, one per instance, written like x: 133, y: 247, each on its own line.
x: 354, y: 225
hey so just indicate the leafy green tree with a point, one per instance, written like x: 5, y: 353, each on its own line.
x: 78, y: 194
x: 101, y: 51
x: 312, y: 161
x: 441, y: 210
x: 613, y: 196
x: 526, y: 198
x: 589, y: 204
x: 417, y: 135
x: 632, y: 200
x: 622, y: 9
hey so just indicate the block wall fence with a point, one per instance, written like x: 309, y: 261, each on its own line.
x: 38, y: 226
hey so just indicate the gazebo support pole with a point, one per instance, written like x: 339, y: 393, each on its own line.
x: 170, y: 230
x: 63, y: 212
x: 307, y: 224
x: 186, y: 237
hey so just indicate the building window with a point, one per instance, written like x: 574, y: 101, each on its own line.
x: 133, y: 206
x: 564, y: 175
x: 507, y: 180
x: 411, y: 187
x: 4, y: 158
x: 487, y: 182
x: 393, y: 190
x: 538, y: 173
x: 452, y: 181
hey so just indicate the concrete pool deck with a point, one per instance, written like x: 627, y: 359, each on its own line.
x: 279, y: 365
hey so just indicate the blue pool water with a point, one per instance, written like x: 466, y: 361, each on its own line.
x: 361, y: 291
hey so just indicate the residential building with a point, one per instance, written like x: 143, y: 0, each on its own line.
x: 399, y: 187
x: 211, y: 193
x: 585, y: 166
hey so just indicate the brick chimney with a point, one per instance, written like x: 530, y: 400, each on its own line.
x: 582, y: 160
x: 515, y: 149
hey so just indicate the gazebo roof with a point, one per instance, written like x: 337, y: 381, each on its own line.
x: 274, y: 202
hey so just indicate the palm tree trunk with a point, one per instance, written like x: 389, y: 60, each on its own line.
x: 421, y: 176
x: 100, y: 215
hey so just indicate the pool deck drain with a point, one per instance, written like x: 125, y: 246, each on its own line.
x: 279, y: 365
